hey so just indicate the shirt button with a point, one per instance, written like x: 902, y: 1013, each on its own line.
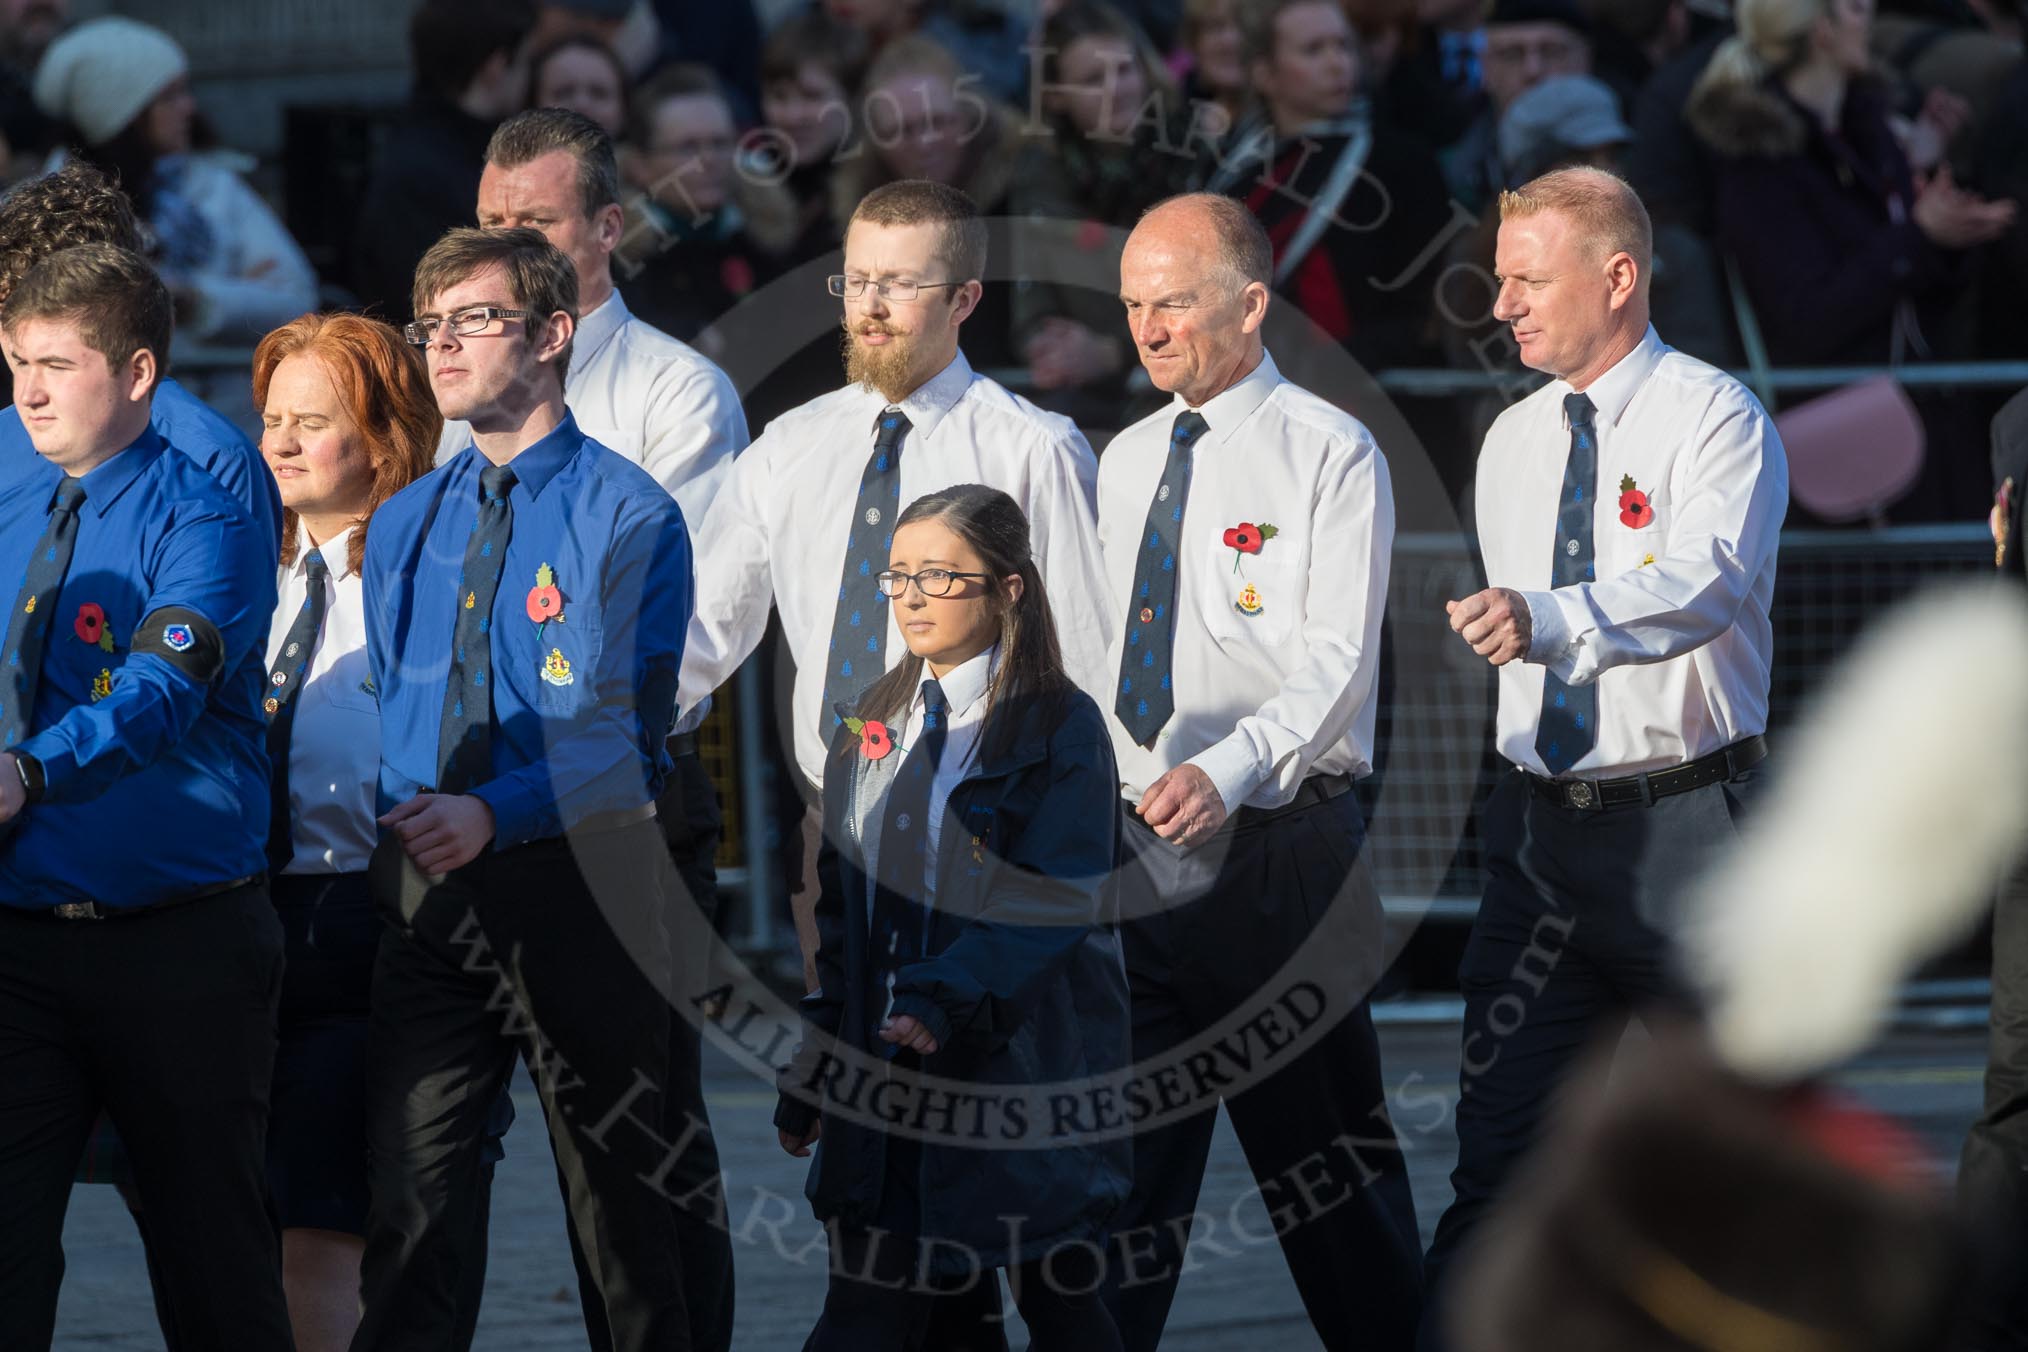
x: 1571, y: 547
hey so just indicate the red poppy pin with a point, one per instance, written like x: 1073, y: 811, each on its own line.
x: 90, y: 626
x: 875, y: 741
x: 545, y: 602
x: 1247, y: 538
x: 1634, y: 509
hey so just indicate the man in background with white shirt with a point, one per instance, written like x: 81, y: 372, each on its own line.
x: 656, y: 400
x: 1629, y: 513
x: 1247, y: 530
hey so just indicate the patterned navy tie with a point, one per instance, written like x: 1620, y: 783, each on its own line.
x: 299, y: 645
x: 900, y: 910
x: 859, y: 627
x: 1146, y: 699
x: 28, y: 630
x: 1568, y: 728
x: 464, y: 735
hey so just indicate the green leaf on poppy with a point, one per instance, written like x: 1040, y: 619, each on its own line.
x: 1626, y: 483
x: 1267, y: 532
x: 855, y: 726
x: 545, y: 576
x: 106, y: 637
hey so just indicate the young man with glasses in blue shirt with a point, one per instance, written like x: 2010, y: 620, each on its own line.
x: 525, y: 611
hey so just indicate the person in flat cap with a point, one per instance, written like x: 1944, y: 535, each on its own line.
x: 1527, y: 42
x: 1564, y: 120
x: 121, y: 89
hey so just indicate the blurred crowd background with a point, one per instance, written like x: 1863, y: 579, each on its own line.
x: 1830, y: 190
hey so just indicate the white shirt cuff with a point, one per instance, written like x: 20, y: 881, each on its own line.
x: 1232, y: 768
x: 1550, y: 635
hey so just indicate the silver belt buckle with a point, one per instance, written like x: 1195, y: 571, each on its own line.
x: 1579, y: 794
x: 76, y: 910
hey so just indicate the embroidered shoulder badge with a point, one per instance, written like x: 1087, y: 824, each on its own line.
x: 178, y: 638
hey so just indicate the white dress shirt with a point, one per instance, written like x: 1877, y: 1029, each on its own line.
x: 1675, y: 630
x: 779, y: 527
x: 1264, y: 697
x: 965, y: 690
x: 334, y: 746
x: 654, y: 400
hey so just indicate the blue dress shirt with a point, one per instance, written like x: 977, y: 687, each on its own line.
x: 192, y: 427
x: 581, y: 704
x: 155, y: 783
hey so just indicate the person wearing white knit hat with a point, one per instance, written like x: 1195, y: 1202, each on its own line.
x: 122, y: 89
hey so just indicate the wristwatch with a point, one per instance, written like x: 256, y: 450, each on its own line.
x: 30, y: 770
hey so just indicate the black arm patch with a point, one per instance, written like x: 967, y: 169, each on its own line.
x: 185, y: 640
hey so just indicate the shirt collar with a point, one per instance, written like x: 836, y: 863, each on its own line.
x: 104, y: 485
x: 1227, y: 410
x: 965, y: 684
x: 337, y: 552
x: 537, y: 464
x: 597, y: 329
x: 1612, y: 392
x: 931, y: 400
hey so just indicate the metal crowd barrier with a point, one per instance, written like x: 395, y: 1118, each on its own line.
x: 1435, y: 758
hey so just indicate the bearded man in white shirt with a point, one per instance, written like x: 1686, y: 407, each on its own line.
x: 806, y: 513
x: 1247, y: 531
x: 1629, y: 513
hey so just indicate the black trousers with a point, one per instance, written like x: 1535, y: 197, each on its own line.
x: 555, y: 949
x: 1208, y: 932
x: 1570, y: 939
x: 691, y: 826
x: 881, y: 1300
x: 166, y: 1021
x: 1993, y: 1173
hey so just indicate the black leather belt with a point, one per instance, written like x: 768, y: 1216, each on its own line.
x: 92, y: 910
x: 1312, y: 791
x: 682, y: 744
x: 1716, y: 768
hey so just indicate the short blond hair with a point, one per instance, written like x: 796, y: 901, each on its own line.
x: 1608, y: 214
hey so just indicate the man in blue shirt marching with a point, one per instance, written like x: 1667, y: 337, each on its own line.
x: 525, y: 611
x: 140, y: 959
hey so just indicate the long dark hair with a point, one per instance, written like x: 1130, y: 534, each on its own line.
x: 1031, y: 662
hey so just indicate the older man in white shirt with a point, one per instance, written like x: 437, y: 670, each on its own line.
x: 806, y: 514
x: 660, y: 402
x: 1247, y: 530
x: 1629, y: 513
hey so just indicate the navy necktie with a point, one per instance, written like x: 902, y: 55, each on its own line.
x: 299, y: 645
x: 465, y: 733
x: 1146, y: 698
x: 859, y: 626
x: 1568, y: 728
x: 899, y: 907
x: 34, y: 607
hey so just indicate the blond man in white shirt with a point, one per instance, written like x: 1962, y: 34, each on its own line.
x: 1247, y: 531
x: 1629, y: 513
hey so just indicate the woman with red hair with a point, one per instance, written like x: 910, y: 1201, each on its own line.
x: 348, y: 421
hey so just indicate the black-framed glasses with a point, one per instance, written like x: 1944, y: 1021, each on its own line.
x: 932, y: 581
x: 848, y: 287
x: 465, y: 323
